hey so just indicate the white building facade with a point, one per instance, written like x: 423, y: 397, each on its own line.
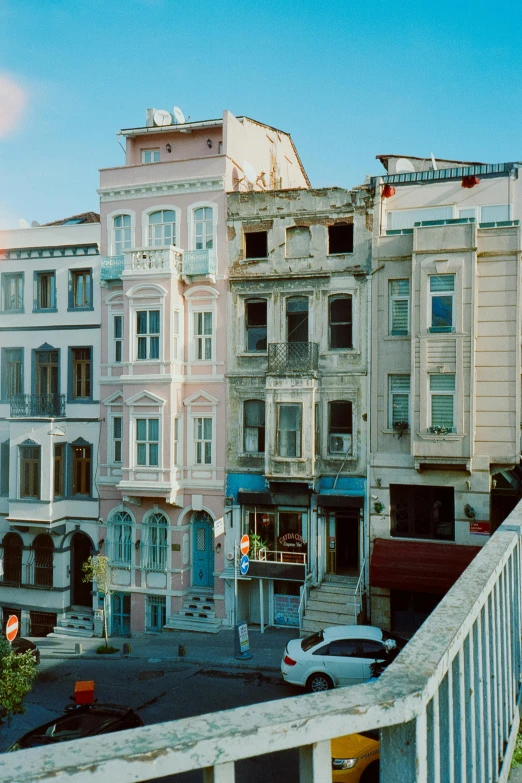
x: 49, y: 420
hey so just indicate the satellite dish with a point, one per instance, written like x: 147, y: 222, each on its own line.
x: 34, y: 224
x: 404, y: 166
x: 179, y: 116
x: 249, y: 170
x: 433, y: 162
x: 162, y: 117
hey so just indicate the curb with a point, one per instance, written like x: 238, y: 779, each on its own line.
x: 230, y: 664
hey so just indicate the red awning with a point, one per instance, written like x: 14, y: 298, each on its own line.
x: 418, y: 565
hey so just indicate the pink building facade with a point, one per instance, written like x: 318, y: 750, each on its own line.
x: 164, y: 290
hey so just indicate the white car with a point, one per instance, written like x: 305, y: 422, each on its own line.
x: 341, y: 655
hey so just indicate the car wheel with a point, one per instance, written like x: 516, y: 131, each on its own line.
x: 319, y: 682
x: 371, y: 773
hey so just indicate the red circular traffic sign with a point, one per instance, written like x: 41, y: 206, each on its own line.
x: 11, y: 629
x: 244, y: 544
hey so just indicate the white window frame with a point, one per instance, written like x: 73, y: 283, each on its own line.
x: 442, y: 393
x: 392, y: 393
x: 116, y: 340
x: 200, y: 338
x: 153, y: 155
x: 113, y: 439
x: 198, y: 437
x: 148, y: 336
x: 433, y: 294
x: 206, y: 298
x: 147, y: 441
x: 148, y: 296
x: 145, y: 221
x: 398, y: 298
x: 191, y: 223
x: 177, y: 334
x: 147, y: 240
x: 299, y: 441
x: 178, y: 442
x: 111, y: 235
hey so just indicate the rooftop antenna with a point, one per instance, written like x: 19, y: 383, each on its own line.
x: 118, y: 136
x: 433, y: 161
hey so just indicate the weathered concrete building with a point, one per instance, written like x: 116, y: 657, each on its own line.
x: 297, y: 369
x: 445, y: 412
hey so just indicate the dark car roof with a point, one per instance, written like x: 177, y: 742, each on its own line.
x: 86, y: 721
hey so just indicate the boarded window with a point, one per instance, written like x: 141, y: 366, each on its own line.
x: 297, y: 242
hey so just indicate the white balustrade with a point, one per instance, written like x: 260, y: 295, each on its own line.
x: 447, y: 707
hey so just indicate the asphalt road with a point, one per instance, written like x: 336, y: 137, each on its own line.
x: 161, y: 691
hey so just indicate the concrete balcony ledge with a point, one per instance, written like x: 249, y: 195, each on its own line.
x: 199, y: 263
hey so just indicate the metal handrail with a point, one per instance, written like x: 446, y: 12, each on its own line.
x: 357, y: 606
x: 303, y: 601
x: 279, y: 557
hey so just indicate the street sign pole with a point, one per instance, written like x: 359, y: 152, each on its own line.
x: 236, y: 564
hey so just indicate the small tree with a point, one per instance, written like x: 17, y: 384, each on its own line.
x: 17, y: 673
x: 98, y: 569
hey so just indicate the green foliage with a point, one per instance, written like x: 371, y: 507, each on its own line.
x: 17, y: 673
x: 106, y: 650
x: 257, y: 544
x: 97, y: 569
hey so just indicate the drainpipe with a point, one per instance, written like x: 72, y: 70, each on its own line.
x: 368, y: 440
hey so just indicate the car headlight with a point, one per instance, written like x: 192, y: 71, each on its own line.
x: 343, y: 763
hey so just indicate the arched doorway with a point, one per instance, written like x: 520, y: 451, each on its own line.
x: 81, y: 549
x: 12, y: 544
x: 202, y: 550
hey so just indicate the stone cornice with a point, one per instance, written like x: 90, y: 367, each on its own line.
x: 16, y: 254
x: 195, y: 185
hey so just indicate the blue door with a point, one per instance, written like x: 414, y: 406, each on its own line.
x: 203, y: 550
x: 120, y: 614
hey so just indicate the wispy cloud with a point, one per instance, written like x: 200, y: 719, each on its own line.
x: 13, y: 100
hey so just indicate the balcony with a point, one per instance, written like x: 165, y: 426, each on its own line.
x: 46, y: 406
x: 199, y: 262
x: 112, y: 267
x: 447, y: 708
x: 288, y: 358
x: 153, y: 259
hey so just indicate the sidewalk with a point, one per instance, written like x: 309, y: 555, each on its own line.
x: 202, y: 649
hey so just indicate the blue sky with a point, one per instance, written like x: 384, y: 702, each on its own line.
x: 348, y: 80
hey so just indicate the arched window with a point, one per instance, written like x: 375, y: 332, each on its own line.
x: 155, y: 558
x: 120, y: 538
x: 122, y: 234
x: 162, y: 228
x: 204, y: 228
x: 12, y: 546
x: 43, y: 560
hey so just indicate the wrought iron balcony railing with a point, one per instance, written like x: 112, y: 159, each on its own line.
x: 112, y: 267
x: 199, y: 262
x: 44, y: 405
x: 286, y: 358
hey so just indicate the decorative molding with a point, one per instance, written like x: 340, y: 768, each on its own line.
x: 154, y: 189
x: 19, y: 254
x: 145, y: 398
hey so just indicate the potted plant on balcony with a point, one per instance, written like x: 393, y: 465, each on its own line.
x: 438, y: 429
x: 258, y: 547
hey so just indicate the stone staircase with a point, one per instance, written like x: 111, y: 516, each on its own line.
x: 77, y: 623
x: 331, y: 603
x: 198, y: 613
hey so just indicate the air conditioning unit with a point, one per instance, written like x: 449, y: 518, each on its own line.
x: 340, y: 444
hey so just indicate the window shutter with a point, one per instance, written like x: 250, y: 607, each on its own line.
x: 442, y: 283
x: 400, y: 309
x: 443, y: 382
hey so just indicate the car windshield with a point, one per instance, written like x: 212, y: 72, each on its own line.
x: 71, y: 727
x: 311, y: 641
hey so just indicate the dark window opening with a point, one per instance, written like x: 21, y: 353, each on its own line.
x: 41, y: 623
x: 422, y: 512
x: 340, y: 428
x: 256, y: 244
x: 43, y: 560
x: 340, y: 238
x: 340, y: 322
x: 12, y: 546
x: 297, y: 319
x: 256, y: 331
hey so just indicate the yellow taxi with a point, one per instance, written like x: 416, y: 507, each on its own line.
x: 355, y: 758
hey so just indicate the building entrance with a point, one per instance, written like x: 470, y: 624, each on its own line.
x: 342, y: 543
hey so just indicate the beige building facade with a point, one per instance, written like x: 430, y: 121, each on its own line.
x: 445, y: 372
